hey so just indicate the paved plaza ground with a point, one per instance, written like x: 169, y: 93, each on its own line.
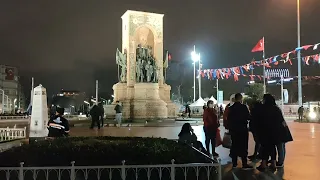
x: 302, y: 160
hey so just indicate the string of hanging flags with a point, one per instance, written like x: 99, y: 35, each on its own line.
x: 235, y: 72
x: 255, y: 77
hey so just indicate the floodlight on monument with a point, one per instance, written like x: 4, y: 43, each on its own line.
x: 194, y: 56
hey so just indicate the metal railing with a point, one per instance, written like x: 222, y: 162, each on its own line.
x: 25, y: 118
x: 7, y: 134
x: 14, y: 117
x: 171, y: 171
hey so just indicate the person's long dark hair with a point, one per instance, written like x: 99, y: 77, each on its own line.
x: 269, y: 100
x: 186, y: 128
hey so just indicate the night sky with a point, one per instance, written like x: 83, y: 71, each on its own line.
x: 69, y: 44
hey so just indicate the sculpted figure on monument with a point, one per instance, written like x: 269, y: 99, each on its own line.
x: 149, y: 70
x: 156, y: 70
x: 121, y: 60
x: 139, y: 70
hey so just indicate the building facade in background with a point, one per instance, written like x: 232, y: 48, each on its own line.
x: 9, y: 82
x: 72, y: 101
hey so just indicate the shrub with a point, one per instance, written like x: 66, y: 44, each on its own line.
x: 99, y: 151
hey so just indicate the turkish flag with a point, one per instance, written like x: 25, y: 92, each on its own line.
x: 259, y: 46
x: 169, y: 56
x: 9, y: 74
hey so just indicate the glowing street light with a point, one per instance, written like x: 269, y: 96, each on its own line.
x: 196, y: 58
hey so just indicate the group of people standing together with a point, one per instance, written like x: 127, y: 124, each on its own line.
x: 266, y: 122
x: 97, y: 115
x: 263, y: 119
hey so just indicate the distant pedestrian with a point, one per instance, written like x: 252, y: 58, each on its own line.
x: 300, y: 113
x: 95, y: 113
x: 188, y: 110
x: 101, y: 114
x: 118, y: 110
x: 220, y: 111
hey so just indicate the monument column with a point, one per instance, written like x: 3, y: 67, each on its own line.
x: 159, y: 57
x: 131, y: 76
x: 39, y: 114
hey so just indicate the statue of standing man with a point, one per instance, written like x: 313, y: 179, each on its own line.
x: 121, y: 60
x: 149, y: 70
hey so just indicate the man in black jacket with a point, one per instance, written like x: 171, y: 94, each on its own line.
x: 254, y: 118
x: 58, y: 126
x: 238, y: 126
x: 95, y: 113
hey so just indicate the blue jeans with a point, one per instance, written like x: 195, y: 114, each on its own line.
x: 281, y: 148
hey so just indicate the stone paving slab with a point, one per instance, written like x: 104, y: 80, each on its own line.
x: 302, y: 161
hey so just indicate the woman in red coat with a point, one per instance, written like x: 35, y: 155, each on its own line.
x: 211, y: 124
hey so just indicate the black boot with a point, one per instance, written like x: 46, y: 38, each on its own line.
x: 234, y: 161
x: 245, y: 164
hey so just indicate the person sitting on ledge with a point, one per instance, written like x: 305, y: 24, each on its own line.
x: 187, y: 136
x: 58, y: 126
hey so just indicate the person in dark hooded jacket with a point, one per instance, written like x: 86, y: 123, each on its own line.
x: 95, y: 113
x: 254, y: 118
x: 58, y: 126
x: 272, y: 130
x: 238, y: 127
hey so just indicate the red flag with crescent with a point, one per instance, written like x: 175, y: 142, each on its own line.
x: 9, y: 74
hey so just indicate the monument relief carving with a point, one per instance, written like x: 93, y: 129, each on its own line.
x: 139, y: 20
x: 121, y: 60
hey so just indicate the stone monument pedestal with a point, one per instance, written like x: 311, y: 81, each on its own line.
x: 141, y: 102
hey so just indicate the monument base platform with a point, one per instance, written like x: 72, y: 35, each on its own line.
x: 142, y: 101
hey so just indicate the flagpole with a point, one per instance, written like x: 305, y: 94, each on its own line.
x: 165, y: 75
x: 264, y: 69
x: 199, y: 80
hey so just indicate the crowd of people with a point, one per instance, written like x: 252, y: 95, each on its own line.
x: 263, y: 119
x: 58, y: 126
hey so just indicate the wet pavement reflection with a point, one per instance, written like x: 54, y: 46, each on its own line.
x: 302, y: 158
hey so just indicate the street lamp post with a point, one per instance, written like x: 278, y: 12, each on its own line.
x: 97, y: 87
x: 2, y: 100
x: 282, y: 98
x: 299, y: 55
x: 195, y: 57
x: 7, y: 101
x: 199, y: 77
x: 10, y: 105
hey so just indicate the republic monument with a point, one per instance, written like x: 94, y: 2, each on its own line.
x: 141, y: 87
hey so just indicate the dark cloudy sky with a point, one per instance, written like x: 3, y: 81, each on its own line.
x: 70, y: 43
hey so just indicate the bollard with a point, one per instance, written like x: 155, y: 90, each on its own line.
x: 173, y: 174
x: 123, y: 170
x: 21, y: 171
x: 73, y: 171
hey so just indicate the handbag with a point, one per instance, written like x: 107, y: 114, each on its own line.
x: 218, y: 138
x: 226, y: 142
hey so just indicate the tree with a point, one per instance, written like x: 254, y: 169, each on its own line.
x: 255, y: 89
